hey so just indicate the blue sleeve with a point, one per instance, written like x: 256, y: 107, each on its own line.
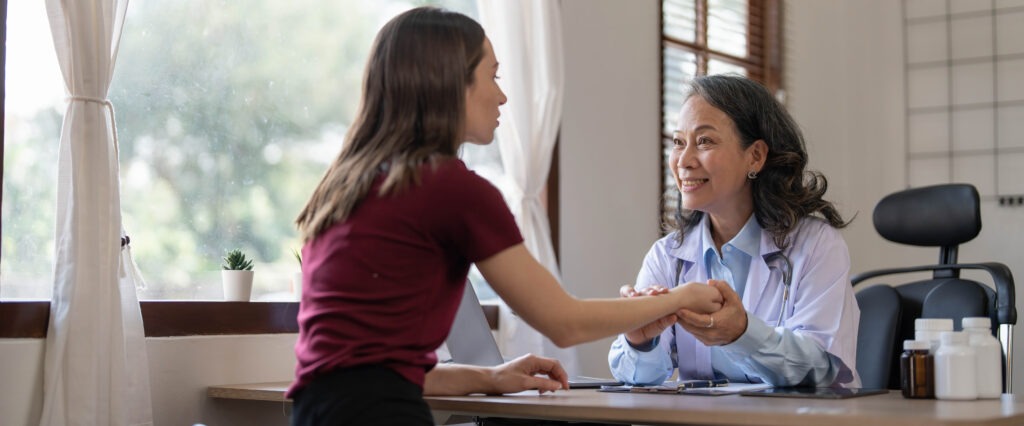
x: 635, y: 367
x: 781, y: 357
x: 632, y: 366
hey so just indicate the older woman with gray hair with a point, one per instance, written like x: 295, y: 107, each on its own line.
x: 753, y: 224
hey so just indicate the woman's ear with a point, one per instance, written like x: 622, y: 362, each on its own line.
x: 758, y: 152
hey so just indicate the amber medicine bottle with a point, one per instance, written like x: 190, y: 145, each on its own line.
x: 917, y: 370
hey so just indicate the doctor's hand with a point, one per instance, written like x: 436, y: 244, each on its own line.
x: 654, y: 290
x: 700, y: 298
x: 719, y: 328
x: 643, y: 335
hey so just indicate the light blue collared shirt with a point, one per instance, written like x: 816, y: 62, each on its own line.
x: 732, y: 266
x: 814, y: 345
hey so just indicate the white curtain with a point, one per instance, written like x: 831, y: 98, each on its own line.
x: 527, y: 39
x: 96, y: 370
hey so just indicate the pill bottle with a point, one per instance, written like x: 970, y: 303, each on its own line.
x: 989, y: 356
x: 955, y: 368
x: 917, y: 370
x: 929, y: 329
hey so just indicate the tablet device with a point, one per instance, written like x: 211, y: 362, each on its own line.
x: 821, y: 393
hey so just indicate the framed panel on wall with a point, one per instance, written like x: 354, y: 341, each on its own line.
x: 964, y: 74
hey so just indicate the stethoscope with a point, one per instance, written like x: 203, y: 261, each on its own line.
x: 773, y: 264
x: 787, y: 278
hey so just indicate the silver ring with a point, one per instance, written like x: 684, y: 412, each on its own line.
x: 712, y: 323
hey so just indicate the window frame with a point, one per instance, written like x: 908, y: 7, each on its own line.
x: 166, y: 318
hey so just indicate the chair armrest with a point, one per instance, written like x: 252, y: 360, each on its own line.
x: 1002, y: 278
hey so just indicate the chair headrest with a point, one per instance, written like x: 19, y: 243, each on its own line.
x: 939, y: 215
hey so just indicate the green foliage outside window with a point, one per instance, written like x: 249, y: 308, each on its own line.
x: 228, y: 113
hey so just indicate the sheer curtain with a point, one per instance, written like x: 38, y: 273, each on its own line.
x: 95, y: 370
x: 527, y: 39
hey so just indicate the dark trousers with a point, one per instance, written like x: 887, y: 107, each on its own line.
x: 370, y: 395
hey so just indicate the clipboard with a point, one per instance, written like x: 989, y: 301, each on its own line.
x: 674, y: 387
x: 639, y: 389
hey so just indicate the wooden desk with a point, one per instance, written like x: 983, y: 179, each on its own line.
x: 590, y: 405
x: 272, y: 391
x: 877, y: 410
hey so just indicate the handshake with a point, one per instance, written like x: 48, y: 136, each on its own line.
x: 713, y: 313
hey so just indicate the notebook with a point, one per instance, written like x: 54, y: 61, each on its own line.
x: 470, y: 341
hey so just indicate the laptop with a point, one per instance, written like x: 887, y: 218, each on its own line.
x: 471, y: 342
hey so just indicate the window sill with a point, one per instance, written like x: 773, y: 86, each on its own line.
x: 182, y: 318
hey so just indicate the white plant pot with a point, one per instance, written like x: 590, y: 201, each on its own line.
x: 237, y: 285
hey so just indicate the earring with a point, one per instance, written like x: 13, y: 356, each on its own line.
x: 752, y: 175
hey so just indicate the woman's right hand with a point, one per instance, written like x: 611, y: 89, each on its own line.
x: 528, y: 372
x: 643, y: 335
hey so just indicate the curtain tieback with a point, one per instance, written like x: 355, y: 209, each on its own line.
x: 516, y: 193
x: 524, y: 199
x: 109, y: 105
x: 113, y: 127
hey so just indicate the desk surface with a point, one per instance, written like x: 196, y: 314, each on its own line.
x: 877, y: 410
x: 271, y: 391
x: 590, y: 405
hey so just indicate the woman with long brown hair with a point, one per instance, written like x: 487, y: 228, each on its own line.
x: 391, y: 230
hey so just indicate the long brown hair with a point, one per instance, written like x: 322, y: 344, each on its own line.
x: 412, y: 111
x: 784, y: 191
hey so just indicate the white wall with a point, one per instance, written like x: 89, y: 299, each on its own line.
x: 180, y: 370
x: 609, y: 150
x: 21, y: 381
x: 845, y: 88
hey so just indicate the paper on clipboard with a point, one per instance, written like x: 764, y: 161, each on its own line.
x: 731, y: 389
x: 640, y: 389
x: 674, y: 388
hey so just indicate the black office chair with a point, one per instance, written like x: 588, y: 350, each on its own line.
x: 944, y: 216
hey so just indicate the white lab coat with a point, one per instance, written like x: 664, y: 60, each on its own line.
x: 821, y: 306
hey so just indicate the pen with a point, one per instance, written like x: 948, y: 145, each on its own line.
x: 695, y: 384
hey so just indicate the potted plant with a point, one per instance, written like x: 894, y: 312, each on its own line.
x: 297, y: 277
x: 237, y: 276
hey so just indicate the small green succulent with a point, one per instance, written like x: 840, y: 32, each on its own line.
x: 235, y: 260
x: 298, y: 256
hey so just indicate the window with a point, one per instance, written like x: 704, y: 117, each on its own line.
x: 33, y: 111
x: 485, y: 160
x: 228, y: 113
x: 705, y: 37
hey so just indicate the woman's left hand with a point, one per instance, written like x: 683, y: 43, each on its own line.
x: 722, y: 327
